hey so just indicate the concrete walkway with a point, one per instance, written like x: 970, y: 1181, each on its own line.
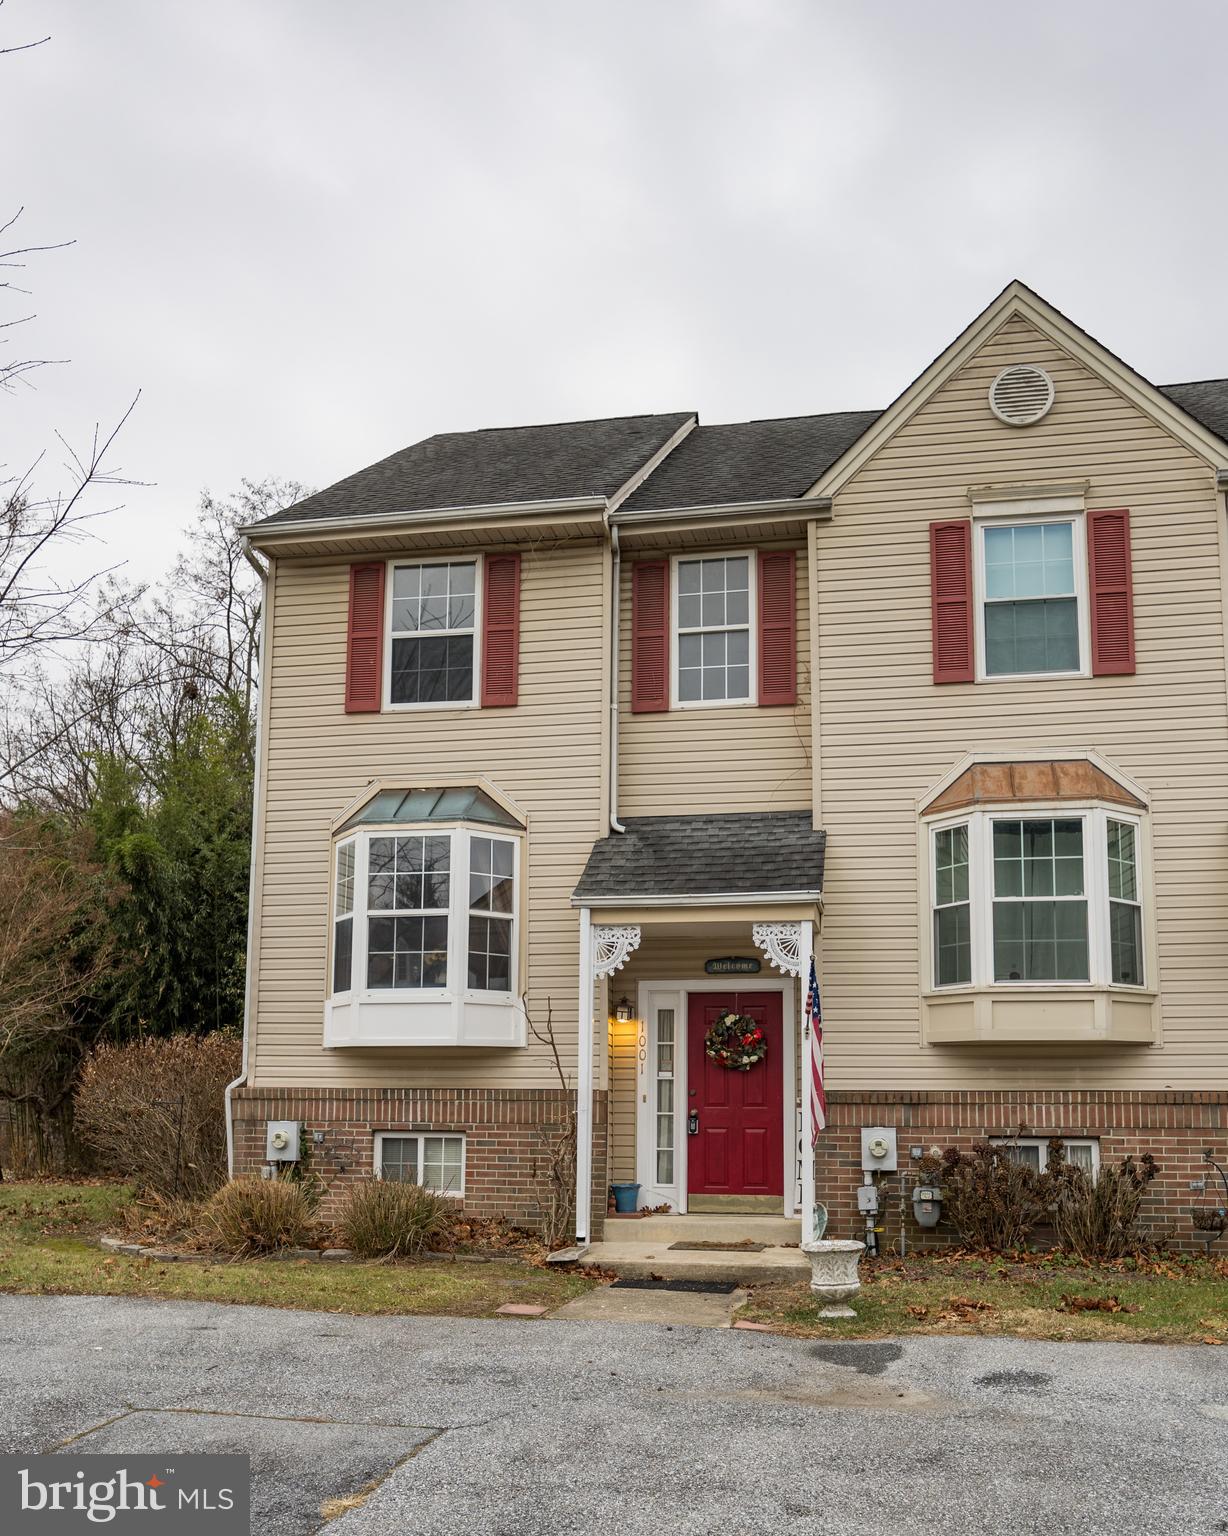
x: 512, y: 1427
x: 675, y: 1309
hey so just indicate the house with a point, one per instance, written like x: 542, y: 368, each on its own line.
x: 579, y: 738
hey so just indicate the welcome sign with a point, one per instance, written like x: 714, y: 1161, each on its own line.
x: 733, y: 965
x: 127, y: 1495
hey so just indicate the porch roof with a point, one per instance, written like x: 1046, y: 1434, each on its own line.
x: 751, y: 853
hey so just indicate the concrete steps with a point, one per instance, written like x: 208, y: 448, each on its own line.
x: 641, y: 1250
x: 774, y: 1230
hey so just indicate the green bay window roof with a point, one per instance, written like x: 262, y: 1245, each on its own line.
x: 458, y: 803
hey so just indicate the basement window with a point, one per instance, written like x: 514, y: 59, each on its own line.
x: 435, y: 1162
x: 1033, y: 1151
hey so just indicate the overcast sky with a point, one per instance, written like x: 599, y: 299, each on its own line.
x: 311, y: 233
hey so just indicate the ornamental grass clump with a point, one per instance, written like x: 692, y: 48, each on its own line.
x: 388, y: 1219
x: 1099, y: 1218
x: 254, y: 1215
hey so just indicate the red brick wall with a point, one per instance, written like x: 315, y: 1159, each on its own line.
x: 505, y: 1131
x: 1173, y: 1127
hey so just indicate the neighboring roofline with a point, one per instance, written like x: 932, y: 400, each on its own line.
x: 690, y: 899
x: 1033, y: 755
x: 629, y: 487
x: 499, y: 511
x: 804, y: 507
x: 1018, y: 299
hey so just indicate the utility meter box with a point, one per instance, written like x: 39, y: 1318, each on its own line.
x: 281, y: 1141
x: 878, y: 1150
x: 867, y: 1199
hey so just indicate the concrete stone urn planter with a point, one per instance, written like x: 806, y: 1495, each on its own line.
x: 833, y: 1268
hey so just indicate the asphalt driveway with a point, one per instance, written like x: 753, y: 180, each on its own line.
x: 510, y: 1426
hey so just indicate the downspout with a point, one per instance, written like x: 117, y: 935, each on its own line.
x: 262, y: 571
x: 615, y: 577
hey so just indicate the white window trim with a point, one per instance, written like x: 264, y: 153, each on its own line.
x: 474, y: 702
x: 752, y: 627
x: 1041, y: 1143
x: 1096, y: 881
x: 420, y: 1136
x: 1016, y: 514
x: 458, y: 917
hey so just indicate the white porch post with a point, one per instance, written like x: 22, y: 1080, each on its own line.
x: 805, y: 953
x: 604, y: 949
x: 584, y: 1085
x: 789, y: 947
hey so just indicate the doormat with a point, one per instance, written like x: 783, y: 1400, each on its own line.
x: 747, y: 1245
x: 700, y: 1287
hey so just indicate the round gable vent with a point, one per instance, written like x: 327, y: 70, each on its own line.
x: 1021, y: 395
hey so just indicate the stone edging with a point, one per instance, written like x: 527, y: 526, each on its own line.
x: 329, y: 1255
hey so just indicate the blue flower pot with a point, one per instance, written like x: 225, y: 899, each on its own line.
x: 626, y: 1198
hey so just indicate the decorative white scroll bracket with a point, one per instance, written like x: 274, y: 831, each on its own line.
x: 612, y: 946
x: 781, y: 943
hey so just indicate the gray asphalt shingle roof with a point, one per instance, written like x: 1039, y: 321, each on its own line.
x: 563, y: 461
x: 727, y: 463
x: 750, y: 460
x: 735, y: 854
x: 1205, y: 400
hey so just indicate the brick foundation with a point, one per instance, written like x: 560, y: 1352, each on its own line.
x: 1173, y: 1127
x: 505, y: 1132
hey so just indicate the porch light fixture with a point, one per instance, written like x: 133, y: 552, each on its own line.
x: 623, y: 1011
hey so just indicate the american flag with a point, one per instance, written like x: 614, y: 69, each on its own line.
x: 818, y: 1094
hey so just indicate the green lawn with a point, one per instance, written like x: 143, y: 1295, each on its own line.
x: 45, y: 1249
x: 1167, y: 1301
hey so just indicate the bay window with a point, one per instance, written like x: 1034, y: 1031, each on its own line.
x: 425, y: 934
x: 1049, y: 897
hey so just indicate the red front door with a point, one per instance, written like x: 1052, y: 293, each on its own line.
x: 737, y: 1148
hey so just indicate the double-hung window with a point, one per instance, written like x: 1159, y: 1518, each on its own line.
x: 1032, y: 597
x: 1023, y: 897
x: 1033, y: 1152
x: 1039, y: 900
x: 713, y: 630
x: 432, y: 619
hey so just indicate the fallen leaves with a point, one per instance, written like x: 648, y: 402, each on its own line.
x: 1095, y: 1304
x: 1212, y: 1340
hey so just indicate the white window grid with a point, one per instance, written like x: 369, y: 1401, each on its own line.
x: 452, y: 1140
x: 458, y: 918
x: 344, y: 866
x: 1004, y: 518
x: 981, y: 891
x: 666, y: 1091
x: 391, y: 633
x: 751, y: 628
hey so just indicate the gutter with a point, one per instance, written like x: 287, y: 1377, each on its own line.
x: 263, y: 572
x: 817, y: 508
x: 506, y: 511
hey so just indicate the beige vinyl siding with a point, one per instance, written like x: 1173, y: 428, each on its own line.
x: 547, y: 754
x: 739, y: 758
x: 888, y: 734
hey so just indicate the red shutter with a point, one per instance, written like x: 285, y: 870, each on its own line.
x: 500, y: 631
x: 649, y: 636
x: 364, y: 659
x: 1112, y: 592
x: 951, y: 601
x: 777, y: 626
